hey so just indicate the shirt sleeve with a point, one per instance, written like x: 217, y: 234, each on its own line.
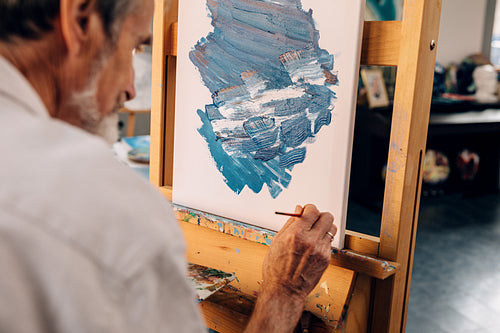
x: 18, y: 309
x: 160, y: 299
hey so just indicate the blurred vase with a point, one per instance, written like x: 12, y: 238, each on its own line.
x: 485, y: 79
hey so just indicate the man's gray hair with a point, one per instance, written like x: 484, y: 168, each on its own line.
x: 30, y: 19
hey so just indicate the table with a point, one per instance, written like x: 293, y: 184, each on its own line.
x: 452, y: 127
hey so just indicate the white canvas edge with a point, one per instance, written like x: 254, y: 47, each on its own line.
x: 347, y: 178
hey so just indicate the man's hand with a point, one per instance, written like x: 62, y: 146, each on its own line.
x: 299, y: 253
x: 296, y: 259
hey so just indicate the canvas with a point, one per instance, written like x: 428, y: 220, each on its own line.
x: 265, y: 106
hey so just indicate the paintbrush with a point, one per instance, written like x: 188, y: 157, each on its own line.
x: 290, y: 214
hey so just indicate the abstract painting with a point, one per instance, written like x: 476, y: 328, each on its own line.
x: 265, y: 106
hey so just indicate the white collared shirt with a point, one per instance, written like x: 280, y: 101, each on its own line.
x: 86, y: 245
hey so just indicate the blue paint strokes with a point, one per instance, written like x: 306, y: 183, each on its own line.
x: 271, y: 87
x: 320, y: 98
x: 237, y: 251
x: 236, y: 232
x: 323, y: 119
x: 304, y: 65
x: 266, y: 154
x: 269, y: 241
x: 243, y: 171
x: 213, y: 112
x: 295, y: 131
x: 289, y: 107
x: 262, y: 131
x: 220, y: 97
x: 293, y: 157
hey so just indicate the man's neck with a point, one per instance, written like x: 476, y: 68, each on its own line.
x: 35, y: 61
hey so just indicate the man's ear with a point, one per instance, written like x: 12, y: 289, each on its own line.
x: 75, y: 17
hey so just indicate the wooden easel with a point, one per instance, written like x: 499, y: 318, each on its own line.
x: 366, y: 287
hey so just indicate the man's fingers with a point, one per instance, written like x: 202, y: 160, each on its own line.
x: 312, y: 220
x: 323, y: 225
x: 330, y: 235
x: 291, y: 220
x: 309, y: 215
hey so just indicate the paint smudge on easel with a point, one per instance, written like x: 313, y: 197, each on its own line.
x: 189, y: 216
x: 207, y: 280
x: 324, y: 285
x: 322, y: 308
x: 272, y: 90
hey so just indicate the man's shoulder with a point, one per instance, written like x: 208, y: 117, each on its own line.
x: 69, y: 183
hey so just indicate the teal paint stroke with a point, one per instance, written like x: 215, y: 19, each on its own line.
x: 384, y: 10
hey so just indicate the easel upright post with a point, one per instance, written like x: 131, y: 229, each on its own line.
x: 410, y: 119
x: 163, y: 92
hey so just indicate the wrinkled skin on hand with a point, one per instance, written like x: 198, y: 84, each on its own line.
x: 293, y: 265
x: 299, y: 253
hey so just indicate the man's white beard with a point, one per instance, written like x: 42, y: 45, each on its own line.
x: 107, y: 128
x: 85, y: 103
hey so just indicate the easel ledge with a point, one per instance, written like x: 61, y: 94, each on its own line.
x: 345, y: 258
x: 358, y: 261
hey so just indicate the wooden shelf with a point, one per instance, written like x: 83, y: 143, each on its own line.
x: 359, y: 254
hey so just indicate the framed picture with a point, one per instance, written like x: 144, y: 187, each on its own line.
x: 376, y: 92
x: 265, y: 107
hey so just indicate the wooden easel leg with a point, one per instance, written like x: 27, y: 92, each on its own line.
x: 382, y: 305
x: 358, y: 310
x: 169, y: 120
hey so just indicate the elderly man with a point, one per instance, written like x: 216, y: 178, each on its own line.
x: 85, y: 244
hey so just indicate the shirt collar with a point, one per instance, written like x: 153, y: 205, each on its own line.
x: 15, y: 86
